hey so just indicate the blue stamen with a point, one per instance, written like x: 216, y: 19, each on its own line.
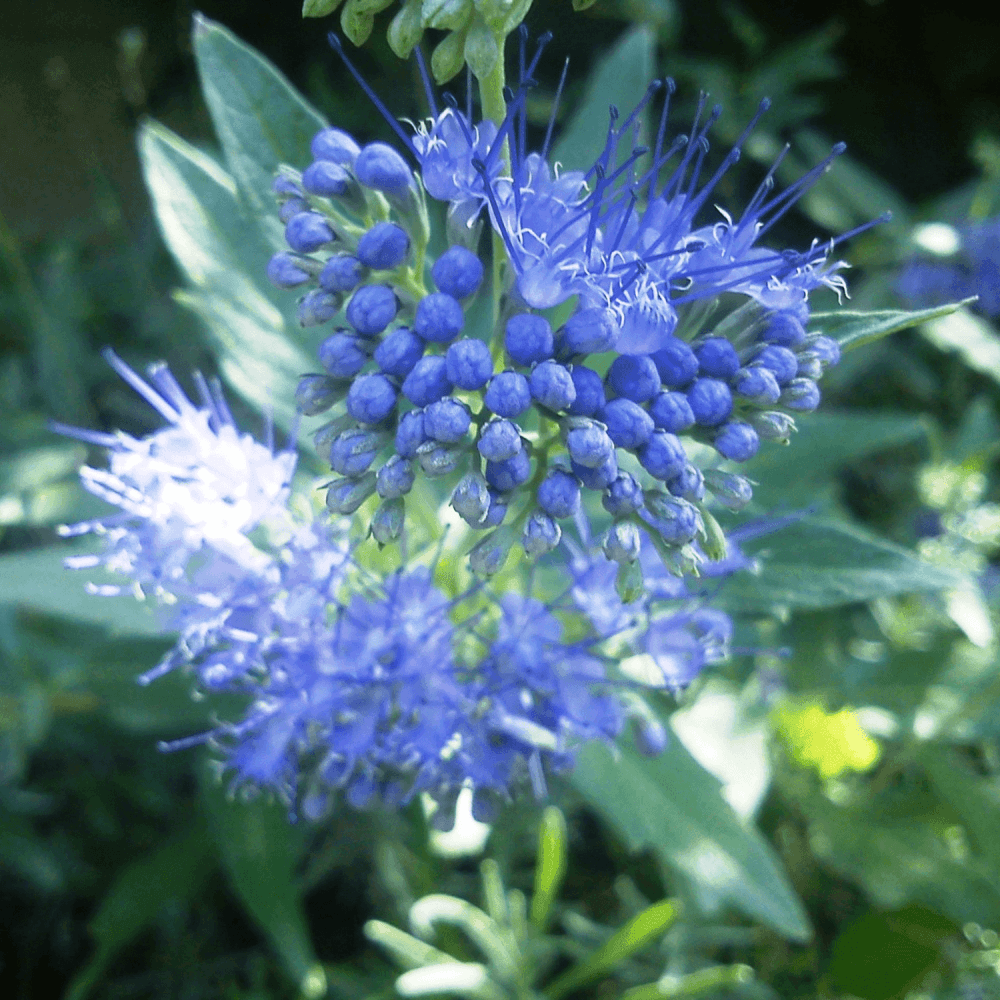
x: 555, y: 108
x: 424, y: 76
x: 338, y: 47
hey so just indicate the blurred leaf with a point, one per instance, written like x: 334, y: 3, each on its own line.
x: 224, y: 257
x: 973, y: 339
x: 975, y: 799
x: 550, y: 866
x: 901, y: 861
x: 883, y: 955
x: 850, y: 194
x: 672, y: 806
x: 852, y: 329
x: 261, y: 850
x: 818, y: 563
x: 824, y: 445
x: 260, y: 119
x: 38, y: 579
x: 641, y: 930
x: 31, y: 858
x: 620, y: 78
x: 174, y: 871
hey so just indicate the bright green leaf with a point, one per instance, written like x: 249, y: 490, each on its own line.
x: 550, y: 868
x: 641, y: 930
x: 319, y: 8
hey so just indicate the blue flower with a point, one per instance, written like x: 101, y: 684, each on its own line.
x: 974, y: 269
x: 188, y: 494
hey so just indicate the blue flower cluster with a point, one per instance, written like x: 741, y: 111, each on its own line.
x: 624, y: 328
x: 622, y: 340
x: 381, y: 690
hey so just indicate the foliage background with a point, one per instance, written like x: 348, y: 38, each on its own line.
x: 124, y: 872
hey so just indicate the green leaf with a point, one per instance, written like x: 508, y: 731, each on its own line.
x: 261, y: 850
x: 174, y: 871
x: 975, y: 799
x: 319, y: 8
x: 901, y: 861
x: 260, y: 119
x: 973, y: 339
x: 642, y: 929
x: 38, y: 579
x: 883, y: 955
x: 819, y: 563
x: 620, y: 78
x: 672, y: 806
x: 224, y: 258
x: 824, y: 444
x: 550, y: 868
x: 852, y: 329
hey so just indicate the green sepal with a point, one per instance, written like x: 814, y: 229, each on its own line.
x: 406, y: 29
x: 628, y: 582
x: 319, y: 8
x: 448, y: 56
x: 714, y: 542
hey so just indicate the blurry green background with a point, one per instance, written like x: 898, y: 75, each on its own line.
x: 125, y: 873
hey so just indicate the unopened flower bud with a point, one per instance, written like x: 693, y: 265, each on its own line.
x: 801, y: 395
x: 621, y: 542
x: 354, y: 450
x: 308, y: 231
x: 345, y: 496
x: 588, y: 443
x: 388, y: 520
x: 489, y: 555
x: 731, y: 490
x: 316, y: 393
x: 773, y: 425
x: 286, y: 270
x: 437, y: 460
x: 623, y: 496
x: 540, y: 535
x: 383, y: 247
x: 335, y: 145
x: 676, y: 521
x: 380, y: 167
x: 471, y: 498
x: 395, y: 478
x: 318, y: 307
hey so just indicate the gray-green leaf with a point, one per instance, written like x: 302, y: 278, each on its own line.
x: 672, y: 806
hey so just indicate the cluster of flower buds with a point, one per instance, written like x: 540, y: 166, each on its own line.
x: 520, y: 419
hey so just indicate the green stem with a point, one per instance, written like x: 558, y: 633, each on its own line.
x: 721, y: 977
x: 495, y: 109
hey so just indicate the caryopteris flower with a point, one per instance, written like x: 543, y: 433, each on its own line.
x: 624, y: 327
x: 705, y: 327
